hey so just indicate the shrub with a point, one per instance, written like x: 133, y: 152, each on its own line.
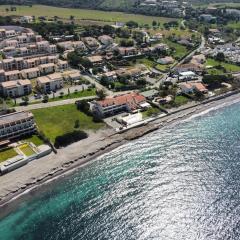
x: 69, y: 138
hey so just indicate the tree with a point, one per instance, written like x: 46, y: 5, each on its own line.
x: 101, y: 94
x: 77, y: 124
x: 220, y: 57
x: 45, y: 98
x: 132, y: 24
x: 25, y: 99
x: 154, y: 23
x: 61, y: 94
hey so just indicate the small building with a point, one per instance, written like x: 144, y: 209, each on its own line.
x: 62, y: 64
x: 96, y: 60
x: 91, y: 43
x: 16, y: 88
x: 105, y: 40
x: 186, y: 88
x: 166, y: 60
x: 26, y: 19
x: 111, y: 76
x: 150, y: 94
x: 15, y: 125
x: 127, y: 51
x: 189, y: 75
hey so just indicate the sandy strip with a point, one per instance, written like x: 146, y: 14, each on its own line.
x: 14, y: 185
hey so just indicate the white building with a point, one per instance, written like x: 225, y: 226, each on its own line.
x: 17, y: 124
x: 16, y: 88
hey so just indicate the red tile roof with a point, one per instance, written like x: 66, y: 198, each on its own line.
x: 131, y: 99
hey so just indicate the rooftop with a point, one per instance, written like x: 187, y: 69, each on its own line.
x: 13, y: 117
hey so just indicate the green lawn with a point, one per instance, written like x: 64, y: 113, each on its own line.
x: 85, y: 93
x: 7, y: 153
x: 228, y: 66
x: 150, y: 112
x: 57, y: 121
x: 33, y: 139
x: 27, y: 150
x: 180, y: 50
x: 95, y: 15
x: 180, y: 100
x: 148, y: 63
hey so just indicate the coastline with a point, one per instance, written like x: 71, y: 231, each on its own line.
x: 17, y: 184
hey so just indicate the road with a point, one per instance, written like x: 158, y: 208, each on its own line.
x: 190, y: 55
x: 51, y: 104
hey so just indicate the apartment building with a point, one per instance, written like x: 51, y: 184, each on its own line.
x: 123, y: 103
x: 51, y: 82
x: 12, y: 75
x: 17, y: 124
x: 16, y: 88
x: 47, y: 68
x: 30, y: 73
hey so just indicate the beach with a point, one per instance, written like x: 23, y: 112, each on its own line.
x: 36, y: 173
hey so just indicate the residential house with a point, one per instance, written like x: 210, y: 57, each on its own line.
x: 110, y: 76
x: 91, y: 43
x: 127, y: 51
x: 17, y: 124
x: 105, y: 40
x: 96, y: 60
x: 10, y: 33
x: 166, y: 60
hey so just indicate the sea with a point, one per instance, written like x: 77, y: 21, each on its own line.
x: 181, y: 182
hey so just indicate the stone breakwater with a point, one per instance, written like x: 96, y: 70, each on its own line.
x: 79, y: 154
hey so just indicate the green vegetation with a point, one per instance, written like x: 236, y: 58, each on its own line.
x: 180, y: 100
x: 7, y: 153
x: 33, y: 139
x: 179, y: 50
x: 79, y: 94
x: 150, y: 112
x: 81, y: 14
x: 27, y: 150
x: 221, y: 67
x: 57, y: 121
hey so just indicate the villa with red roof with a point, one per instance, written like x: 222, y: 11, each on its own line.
x: 122, y: 103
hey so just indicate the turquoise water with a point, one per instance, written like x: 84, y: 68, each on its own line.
x: 181, y: 182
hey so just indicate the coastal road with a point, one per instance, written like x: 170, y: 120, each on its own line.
x: 52, y: 104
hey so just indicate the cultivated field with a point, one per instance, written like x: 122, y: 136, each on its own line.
x: 81, y: 14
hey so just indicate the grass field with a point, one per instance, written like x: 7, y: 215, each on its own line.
x: 57, y: 121
x: 180, y: 50
x: 228, y: 66
x: 180, y: 100
x: 81, y: 14
x: 27, y: 150
x: 85, y: 93
x: 5, y: 154
x: 33, y: 139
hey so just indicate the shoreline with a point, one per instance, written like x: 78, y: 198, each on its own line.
x: 13, y: 192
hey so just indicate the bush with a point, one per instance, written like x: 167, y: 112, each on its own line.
x: 69, y: 138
